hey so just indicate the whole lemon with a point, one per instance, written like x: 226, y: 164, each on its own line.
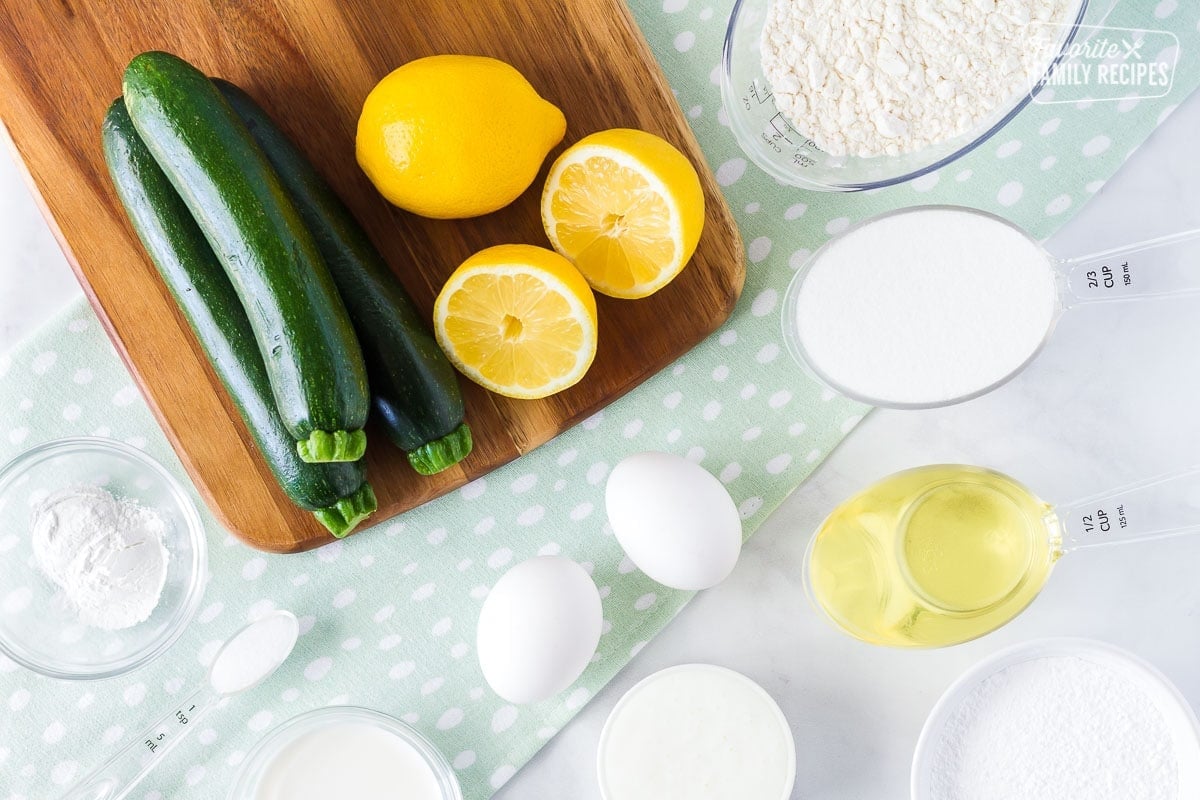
x: 455, y: 136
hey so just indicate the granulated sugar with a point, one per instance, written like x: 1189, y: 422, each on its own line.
x: 925, y: 307
x: 254, y: 653
x: 1056, y: 728
x: 883, y: 77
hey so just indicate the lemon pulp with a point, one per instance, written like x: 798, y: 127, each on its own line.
x: 518, y: 320
x: 626, y: 208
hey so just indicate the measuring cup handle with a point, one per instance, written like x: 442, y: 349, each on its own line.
x: 1168, y: 265
x: 118, y: 776
x: 1166, y: 505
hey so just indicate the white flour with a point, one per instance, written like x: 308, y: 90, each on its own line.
x: 925, y: 306
x: 107, y: 555
x: 1056, y: 728
x: 883, y: 77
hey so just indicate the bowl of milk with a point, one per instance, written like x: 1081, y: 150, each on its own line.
x: 345, y: 751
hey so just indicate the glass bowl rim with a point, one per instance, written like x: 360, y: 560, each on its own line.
x: 1032, y: 650
x: 685, y: 667
x: 744, y: 136
x: 21, y: 463
x: 269, y: 746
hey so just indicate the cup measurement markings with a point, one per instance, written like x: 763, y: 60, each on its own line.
x: 1101, y: 521
x: 1107, y: 277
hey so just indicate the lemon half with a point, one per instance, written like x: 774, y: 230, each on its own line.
x: 518, y: 320
x: 626, y: 208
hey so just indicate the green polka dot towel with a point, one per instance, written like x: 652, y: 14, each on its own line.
x: 388, y: 615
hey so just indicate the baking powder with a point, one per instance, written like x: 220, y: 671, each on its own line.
x: 254, y: 653
x: 106, y: 555
x: 883, y: 77
x: 1056, y: 728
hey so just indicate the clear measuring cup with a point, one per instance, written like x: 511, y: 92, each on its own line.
x: 246, y: 659
x: 943, y: 554
x: 1168, y: 265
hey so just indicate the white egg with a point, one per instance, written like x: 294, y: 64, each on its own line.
x: 675, y: 521
x: 538, y: 629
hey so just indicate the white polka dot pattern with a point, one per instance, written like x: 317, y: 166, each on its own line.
x: 388, y: 616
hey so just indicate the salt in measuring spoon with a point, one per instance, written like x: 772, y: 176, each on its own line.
x: 246, y: 659
x: 942, y: 554
x: 933, y: 305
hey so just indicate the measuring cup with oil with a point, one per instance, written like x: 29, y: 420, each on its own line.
x: 942, y: 554
x: 933, y: 305
x: 246, y: 659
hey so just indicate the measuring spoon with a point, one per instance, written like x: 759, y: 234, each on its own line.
x: 942, y: 554
x: 246, y: 659
x: 959, y: 333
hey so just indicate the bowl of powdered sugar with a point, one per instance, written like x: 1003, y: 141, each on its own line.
x: 103, y: 558
x: 859, y: 94
x: 1059, y: 719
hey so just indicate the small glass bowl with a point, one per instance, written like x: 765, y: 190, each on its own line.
x: 1178, y: 715
x: 791, y: 158
x: 630, y: 699
x: 245, y: 787
x: 38, y: 629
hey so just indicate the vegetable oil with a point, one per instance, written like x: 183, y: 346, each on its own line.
x: 933, y: 556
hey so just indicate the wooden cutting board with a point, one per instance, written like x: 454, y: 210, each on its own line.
x: 311, y: 63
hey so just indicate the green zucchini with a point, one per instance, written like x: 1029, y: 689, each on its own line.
x: 336, y: 493
x: 314, y: 362
x: 414, y: 389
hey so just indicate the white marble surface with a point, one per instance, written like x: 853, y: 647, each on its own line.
x: 1114, y: 397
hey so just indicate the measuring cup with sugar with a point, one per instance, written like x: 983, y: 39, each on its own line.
x: 248, y: 658
x: 942, y: 554
x: 933, y: 305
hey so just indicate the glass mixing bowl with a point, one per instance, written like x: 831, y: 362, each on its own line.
x: 245, y: 787
x: 1178, y: 716
x: 791, y: 158
x: 38, y: 629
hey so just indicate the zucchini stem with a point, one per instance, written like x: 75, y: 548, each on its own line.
x: 433, y: 457
x: 322, y: 446
x: 343, y: 516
